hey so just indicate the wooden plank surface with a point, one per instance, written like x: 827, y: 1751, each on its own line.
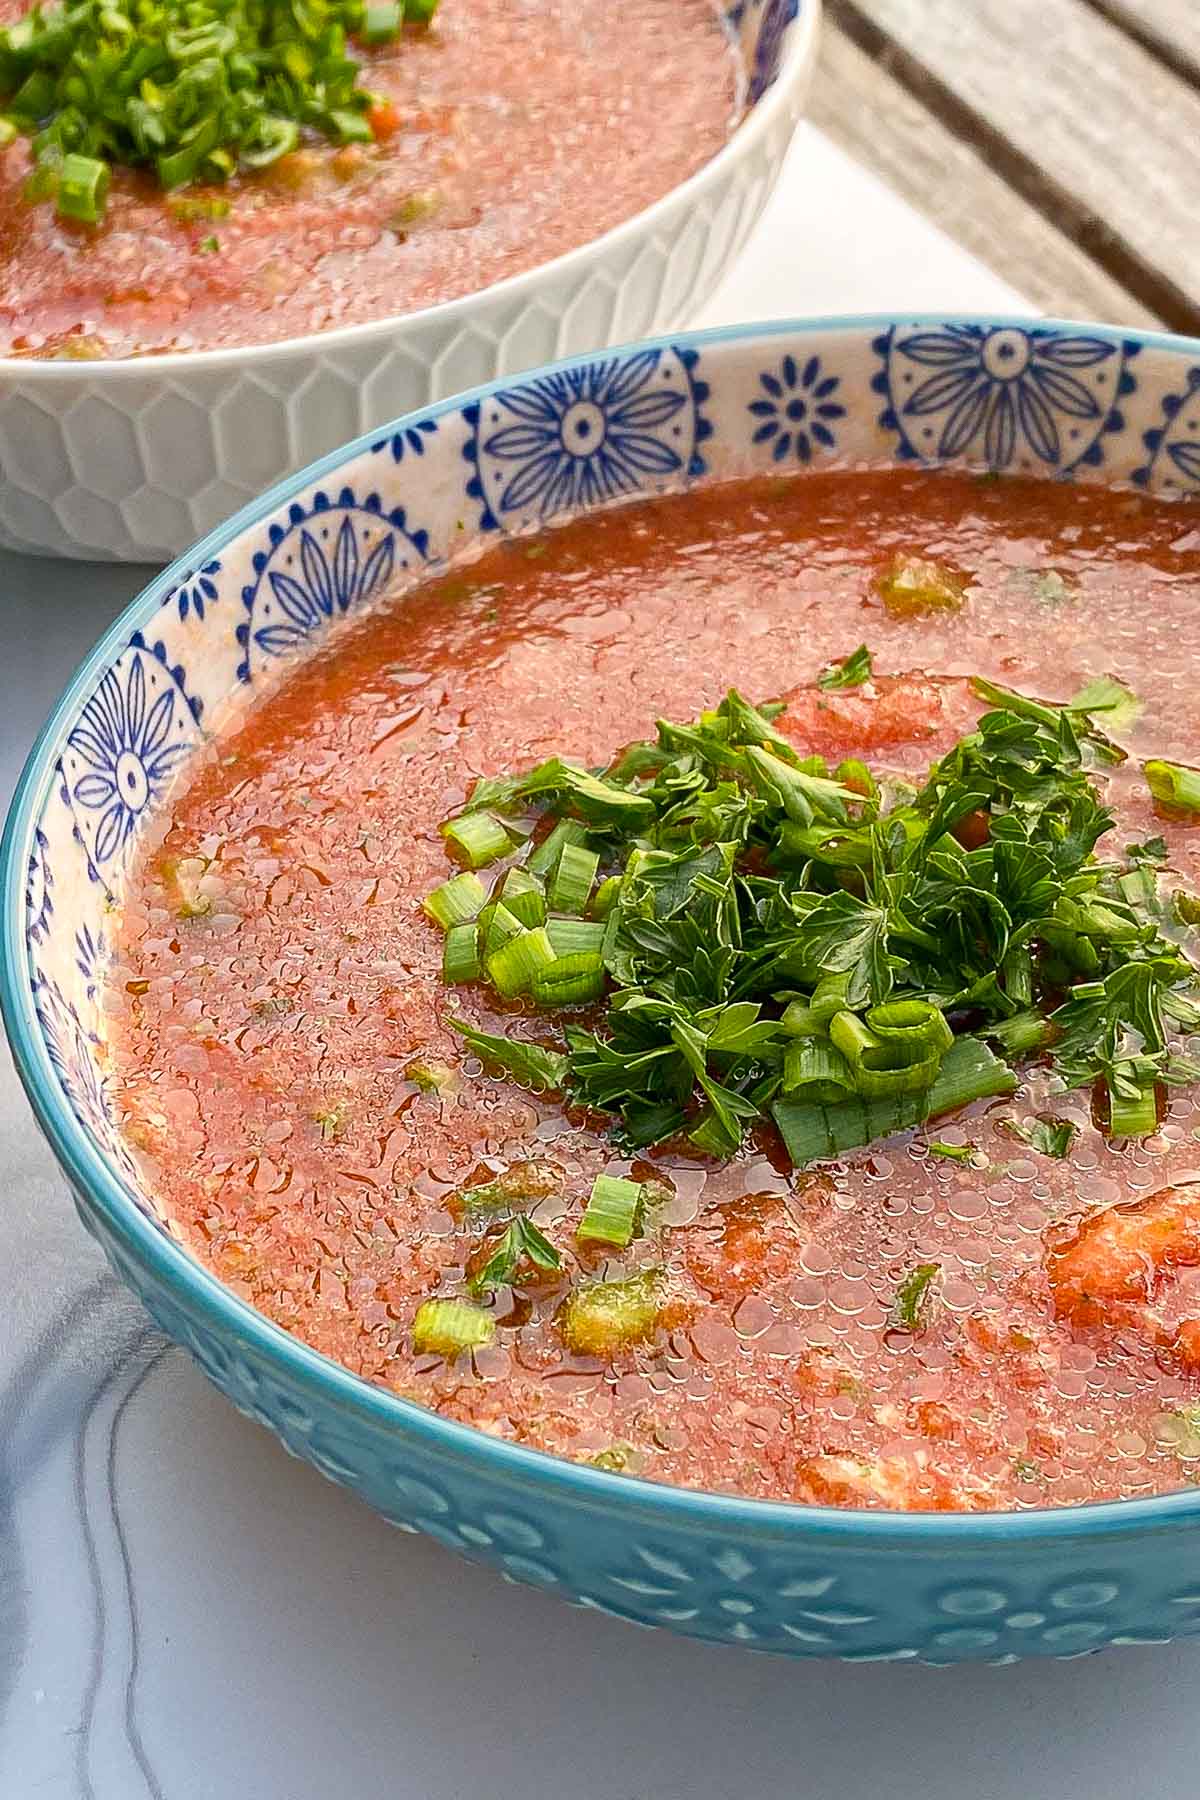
x: 884, y: 126
x: 1169, y: 27
x: 1069, y: 98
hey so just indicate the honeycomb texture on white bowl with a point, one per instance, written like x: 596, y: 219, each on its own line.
x: 135, y: 461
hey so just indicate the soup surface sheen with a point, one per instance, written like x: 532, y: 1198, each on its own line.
x: 266, y: 1048
x: 520, y: 134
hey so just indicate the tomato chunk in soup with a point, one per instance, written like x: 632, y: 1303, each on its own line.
x: 949, y: 1318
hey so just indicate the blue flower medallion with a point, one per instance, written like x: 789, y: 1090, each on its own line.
x: 123, y: 750
x: 627, y: 424
x: 796, y: 409
x: 1008, y: 397
x: 323, y: 563
x: 1173, y: 461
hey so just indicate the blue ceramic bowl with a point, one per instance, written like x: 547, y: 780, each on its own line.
x: 1060, y: 401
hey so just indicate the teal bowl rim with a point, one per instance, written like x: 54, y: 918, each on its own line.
x: 191, y: 1286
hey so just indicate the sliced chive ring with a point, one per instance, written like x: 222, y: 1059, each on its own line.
x: 524, y: 897
x: 570, y: 980
x: 513, y: 969
x: 571, y: 883
x: 612, y: 1212
x: 1173, y: 784
x: 478, y: 837
x: 461, y: 958
x: 448, y: 1327
x: 455, y: 901
x: 543, y: 858
x: 575, y: 937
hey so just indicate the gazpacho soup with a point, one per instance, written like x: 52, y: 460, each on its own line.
x: 192, y: 174
x: 712, y: 991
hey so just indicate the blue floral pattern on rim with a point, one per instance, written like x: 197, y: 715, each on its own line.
x: 327, y: 560
x: 1007, y: 396
x: 124, y: 748
x: 797, y: 409
x: 89, y: 958
x: 73, y: 1053
x: 1173, y: 464
x: 777, y: 15
x: 411, y: 439
x: 583, y: 436
x: 195, y: 591
x: 39, y: 883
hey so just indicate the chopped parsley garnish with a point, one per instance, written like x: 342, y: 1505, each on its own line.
x: 914, y: 1297
x: 520, y: 1241
x: 772, y: 940
x: 852, y: 673
x: 195, y: 90
x: 1119, y: 705
x: 1049, y: 1137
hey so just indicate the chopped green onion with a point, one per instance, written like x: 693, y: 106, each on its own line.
x: 522, y: 894
x: 611, y: 1214
x: 448, y: 1327
x: 516, y: 1189
x: 455, y: 901
x: 1172, y: 784
x: 1022, y: 1034
x: 1132, y: 1113
x: 461, y: 960
x: 347, y: 127
x: 513, y: 969
x: 575, y: 937
x: 892, y: 1083
x: 479, y: 838
x: 572, y: 880
x: 811, y: 1018
x: 570, y: 980
x: 194, y: 89
x: 543, y: 859
x: 603, y: 1318
x: 813, y: 1071
x: 910, y: 1029
x: 381, y: 22
x: 497, y: 927
x: 968, y: 1072
x: 82, y: 189
x: 605, y: 897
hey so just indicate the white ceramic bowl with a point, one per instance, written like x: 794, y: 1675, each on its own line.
x: 132, y: 460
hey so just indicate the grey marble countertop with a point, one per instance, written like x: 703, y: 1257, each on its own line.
x: 186, y: 1614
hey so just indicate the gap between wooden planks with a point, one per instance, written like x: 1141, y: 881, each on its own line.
x: 883, y: 125
x: 1091, y: 133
